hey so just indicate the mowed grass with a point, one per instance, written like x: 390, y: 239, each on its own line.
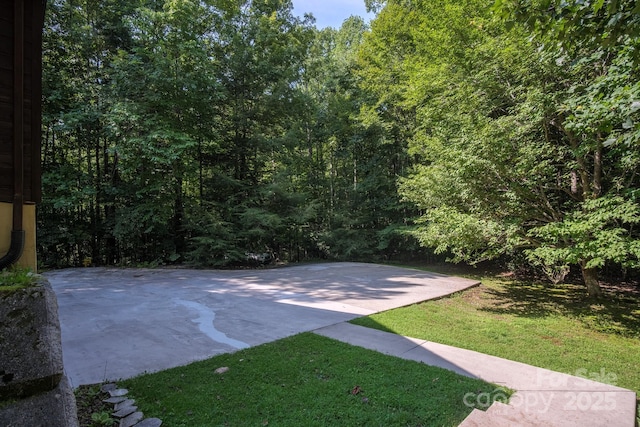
x: 550, y: 326
x: 306, y: 380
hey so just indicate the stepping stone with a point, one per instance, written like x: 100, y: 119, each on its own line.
x: 124, y: 412
x: 118, y: 392
x: 108, y: 387
x: 149, y: 422
x: 132, y: 419
x: 115, y: 400
x: 124, y: 404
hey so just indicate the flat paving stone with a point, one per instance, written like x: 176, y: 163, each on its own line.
x: 125, y: 411
x: 124, y: 404
x: 115, y: 400
x: 108, y: 387
x: 118, y: 323
x: 149, y: 422
x: 132, y: 419
x: 118, y: 392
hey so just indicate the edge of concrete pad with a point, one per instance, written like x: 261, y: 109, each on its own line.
x: 372, y: 339
x: 389, y: 343
x: 543, y: 397
x: 472, y: 284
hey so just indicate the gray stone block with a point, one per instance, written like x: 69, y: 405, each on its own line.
x: 118, y: 392
x: 54, y: 408
x: 115, y: 400
x: 33, y: 389
x: 132, y: 419
x: 125, y: 411
x: 31, y: 356
x: 149, y: 422
x: 108, y: 387
x: 124, y: 404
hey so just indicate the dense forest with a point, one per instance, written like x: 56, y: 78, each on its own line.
x: 215, y: 132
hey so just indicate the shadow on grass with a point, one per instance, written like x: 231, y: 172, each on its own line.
x: 618, y: 312
x: 308, y: 379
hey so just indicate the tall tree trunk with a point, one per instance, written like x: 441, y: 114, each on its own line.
x: 179, y: 238
x: 597, y: 171
x: 200, y: 172
x: 92, y: 206
x: 590, y: 277
x: 98, y: 230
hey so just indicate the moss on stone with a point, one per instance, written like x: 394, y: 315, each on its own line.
x: 16, y: 278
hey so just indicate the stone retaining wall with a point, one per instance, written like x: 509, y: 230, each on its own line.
x: 33, y: 389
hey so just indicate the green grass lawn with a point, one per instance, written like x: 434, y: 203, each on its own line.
x: 550, y: 326
x: 305, y: 380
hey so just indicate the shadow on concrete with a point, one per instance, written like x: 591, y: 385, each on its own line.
x: 118, y: 323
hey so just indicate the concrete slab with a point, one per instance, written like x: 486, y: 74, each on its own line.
x: 118, y: 323
x: 542, y: 398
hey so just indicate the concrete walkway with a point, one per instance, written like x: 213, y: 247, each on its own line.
x: 542, y: 398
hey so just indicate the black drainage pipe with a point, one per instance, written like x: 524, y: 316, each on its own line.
x: 15, y: 250
x: 17, y: 233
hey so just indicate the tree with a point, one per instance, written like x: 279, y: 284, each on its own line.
x: 353, y: 165
x: 597, y: 41
x: 200, y: 131
x: 165, y: 120
x: 80, y: 41
x: 572, y: 25
x: 164, y: 88
x: 259, y: 49
x: 506, y: 164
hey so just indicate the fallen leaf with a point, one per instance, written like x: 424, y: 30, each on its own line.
x: 356, y: 390
x: 221, y: 370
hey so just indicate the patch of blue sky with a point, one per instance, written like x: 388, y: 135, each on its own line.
x: 331, y: 13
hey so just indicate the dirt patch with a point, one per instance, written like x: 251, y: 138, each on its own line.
x: 554, y: 340
x: 89, y: 400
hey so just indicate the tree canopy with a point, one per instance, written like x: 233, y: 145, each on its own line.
x: 224, y: 132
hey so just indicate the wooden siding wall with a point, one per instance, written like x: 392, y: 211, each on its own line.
x: 33, y: 23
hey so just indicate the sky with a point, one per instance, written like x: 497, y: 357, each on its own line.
x: 331, y: 13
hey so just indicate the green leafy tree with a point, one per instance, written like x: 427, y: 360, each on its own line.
x: 342, y: 163
x: 164, y: 89
x: 597, y: 43
x: 258, y: 51
x: 167, y: 124
x: 572, y: 25
x: 80, y: 41
x: 514, y: 155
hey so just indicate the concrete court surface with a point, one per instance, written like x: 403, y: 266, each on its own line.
x: 118, y: 323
